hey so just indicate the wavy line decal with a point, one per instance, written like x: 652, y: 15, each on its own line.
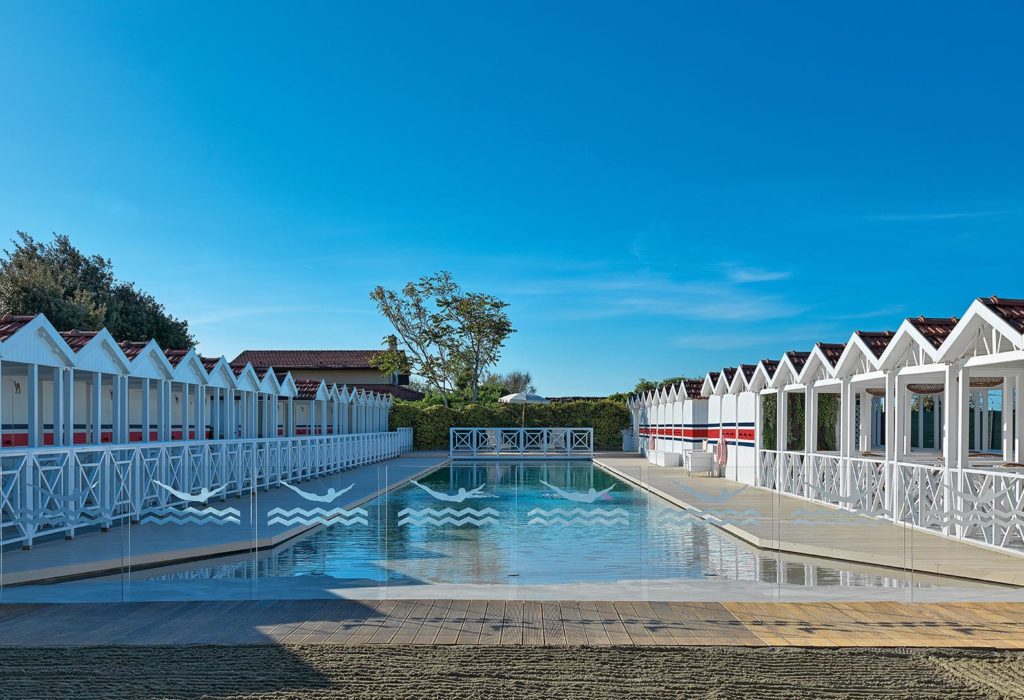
x: 317, y: 516
x: 447, y: 516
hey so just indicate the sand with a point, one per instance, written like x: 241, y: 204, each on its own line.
x: 505, y: 672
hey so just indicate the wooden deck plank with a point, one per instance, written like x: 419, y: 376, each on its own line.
x: 453, y: 621
x: 533, y: 623
x: 554, y: 632
x: 428, y: 631
x: 512, y: 629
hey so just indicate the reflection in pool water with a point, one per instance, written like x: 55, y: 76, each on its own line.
x: 524, y: 526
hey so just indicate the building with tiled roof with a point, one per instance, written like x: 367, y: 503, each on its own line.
x: 342, y: 367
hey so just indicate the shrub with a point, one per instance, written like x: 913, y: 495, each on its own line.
x: 431, y: 424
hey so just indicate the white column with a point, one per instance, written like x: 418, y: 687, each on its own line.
x: 200, y: 412
x: 68, y: 376
x: 936, y: 430
x: 97, y: 407
x: 162, y: 420
x: 57, y: 409
x: 986, y: 422
x: 1006, y: 422
x: 977, y: 419
x: 890, y: 416
x: 35, y: 433
x: 124, y: 416
x: 810, y: 420
x: 920, y: 421
x: 901, y: 424
x: 781, y: 406
x: 867, y: 421
x: 289, y: 429
x: 147, y: 418
x: 1018, y: 420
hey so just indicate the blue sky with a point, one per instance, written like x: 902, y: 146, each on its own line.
x: 658, y: 189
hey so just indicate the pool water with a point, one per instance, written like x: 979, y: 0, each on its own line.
x: 525, y: 530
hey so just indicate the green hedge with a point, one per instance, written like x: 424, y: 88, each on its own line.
x: 430, y: 424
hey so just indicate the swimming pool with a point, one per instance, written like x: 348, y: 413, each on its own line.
x: 525, y: 524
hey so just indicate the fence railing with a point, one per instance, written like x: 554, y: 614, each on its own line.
x: 555, y: 442
x: 981, y: 505
x: 53, y: 490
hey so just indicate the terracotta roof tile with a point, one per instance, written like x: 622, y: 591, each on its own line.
x: 770, y: 367
x: 209, y: 362
x: 799, y: 359
x: 692, y: 387
x: 729, y: 373
x: 11, y: 324
x: 748, y: 371
x: 132, y: 348
x: 832, y: 351
x: 175, y: 356
x: 308, y: 359
x: 1010, y: 310
x: 713, y: 376
x: 877, y: 342
x: 935, y: 330
x: 76, y: 339
x: 307, y: 388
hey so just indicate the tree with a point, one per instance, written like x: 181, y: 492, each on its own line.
x: 447, y: 336
x: 76, y: 291
x: 419, y: 316
x: 483, y: 326
x: 513, y: 382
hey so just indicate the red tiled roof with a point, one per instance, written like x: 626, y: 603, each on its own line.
x: 76, y: 339
x: 832, y: 351
x: 935, y: 330
x: 713, y: 376
x: 175, y: 356
x: 1010, y: 310
x: 308, y: 359
x: 729, y: 373
x: 770, y: 366
x: 132, y: 348
x: 877, y: 342
x: 307, y: 388
x: 748, y: 371
x: 693, y: 387
x: 799, y: 359
x: 209, y: 362
x: 11, y: 324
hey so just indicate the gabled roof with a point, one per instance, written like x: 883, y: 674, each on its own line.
x: 788, y: 370
x: 874, y: 341
x: 132, y: 348
x: 219, y: 372
x: 763, y: 373
x: 404, y: 392
x: 175, y: 356
x: 934, y: 330
x: 12, y: 323
x: 1010, y: 310
x: 97, y: 351
x: 707, y: 387
x: 147, y: 359
x: 692, y: 387
x: 77, y: 339
x: 308, y: 359
x: 991, y: 325
x: 798, y: 359
x: 862, y: 352
x: 831, y: 351
x: 310, y: 389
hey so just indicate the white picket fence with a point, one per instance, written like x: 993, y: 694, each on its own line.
x: 54, y: 490
x: 981, y: 505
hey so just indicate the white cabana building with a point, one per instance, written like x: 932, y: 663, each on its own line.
x: 80, y: 413
x: 924, y: 424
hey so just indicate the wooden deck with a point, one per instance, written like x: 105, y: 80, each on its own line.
x: 775, y: 521
x: 529, y: 623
